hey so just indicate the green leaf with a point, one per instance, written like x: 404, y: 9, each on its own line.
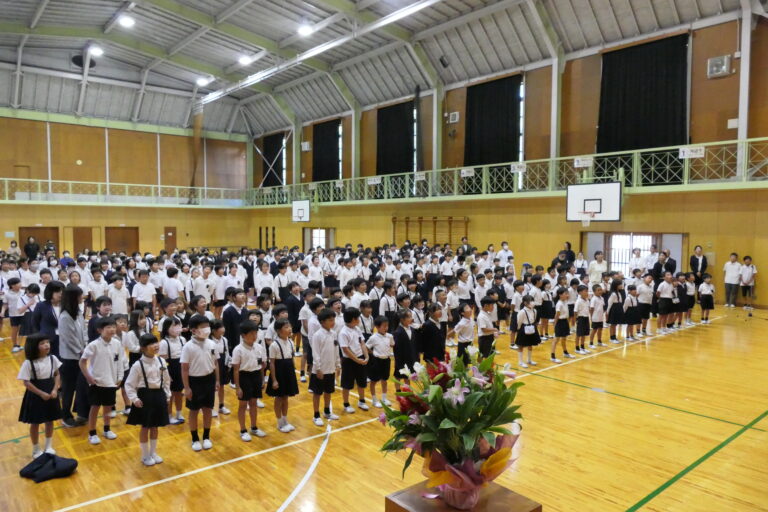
x: 435, y: 391
x: 486, y: 364
x: 499, y: 430
x: 469, y: 442
x: 408, y: 462
x: 446, y: 423
x: 490, y: 438
x: 426, y: 437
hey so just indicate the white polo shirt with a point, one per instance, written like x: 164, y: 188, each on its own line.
x: 666, y: 290
x: 748, y: 274
x: 380, y: 345
x: 248, y: 357
x: 119, y: 299
x: 581, y: 308
x: 484, y: 321
x: 350, y: 338
x: 201, y: 357
x: 465, y: 330
x: 43, y: 368
x: 143, y: 292
x: 156, y: 374
x: 326, y: 356
x: 106, y: 361
x: 732, y: 271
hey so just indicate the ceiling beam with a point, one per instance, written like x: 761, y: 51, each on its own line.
x: 127, y: 42
x: 368, y: 55
x: 139, y: 99
x: 124, y: 9
x: 84, y: 82
x: 320, y: 25
x: 362, y: 17
x: 231, y: 10
x: 17, y: 73
x: 466, y: 18
x: 254, y: 58
x: 190, y: 106
x: 38, y: 13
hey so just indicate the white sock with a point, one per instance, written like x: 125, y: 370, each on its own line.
x: 36, y: 447
x: 48, y: 441
x: 178, y: 414
x: 373, y: 398
x: 383, y: 396
x: 144, y: 450
x: 280, y: 421
x: 153, y: 446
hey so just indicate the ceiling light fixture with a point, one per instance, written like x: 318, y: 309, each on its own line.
x: 305, y: 30
x: 203, y: 81
x: 95, y: 51
x: 126, y: 21
x: 245, y: 60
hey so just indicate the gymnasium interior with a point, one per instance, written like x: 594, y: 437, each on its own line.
x: 218, y: 125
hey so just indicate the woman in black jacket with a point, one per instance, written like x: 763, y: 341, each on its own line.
x: 45, y: 318
x: 31, y: 248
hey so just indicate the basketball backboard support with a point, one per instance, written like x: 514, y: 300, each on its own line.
x: 601, y: 200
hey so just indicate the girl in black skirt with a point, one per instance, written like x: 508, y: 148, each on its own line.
x: 547, y: 309
x: 248, y: 358
x: 171, y: 343
x: 631, y: 312
x: 706, y: 296
x: 616, y: 308
x: 40, y: 374
x: 282, y: 373
x: 149, y: 389
x: 562, y: 327
x: 527, y: 335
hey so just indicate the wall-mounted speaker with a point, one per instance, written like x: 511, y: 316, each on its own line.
x: 444, y: 61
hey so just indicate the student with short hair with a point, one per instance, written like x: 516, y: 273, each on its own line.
x: 282, y: 373
x: 248, y: 359
x: 354, y: 360
x: 326, y: 362
x: 380, y: 346
x: 200, y: 374
x: 171, y: 344
x: 485, y: 329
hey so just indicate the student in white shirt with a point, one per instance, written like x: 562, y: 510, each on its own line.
x: 248, y: 359
x: 325, y: 363
x: 706, y: 297
x: 465, y: 332
x: 171, y: 344
x: 486, y: 331
x: 380, y: 346
x: 172, y: 286
x: 597, y: 315
x: 144, y: 291
x: 732, y: 279
x: 666, y: 293
x: 148, y: 389
x: 354, y: 360
x: 562, y: 329
x: 644, y: 301
x: 581, y: 311
x: 119, y: 294
x: 40, y: 374
x: 200, y: 374
x: 97, y: 287
x: 747, y: 281
x: 103, y: 364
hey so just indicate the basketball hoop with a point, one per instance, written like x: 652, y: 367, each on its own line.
x: 586, y: 218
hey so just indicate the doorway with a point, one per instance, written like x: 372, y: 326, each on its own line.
x: 82, y: 239
x: 41, y: 234
x: 122, y: 239
x: 318, y: 237
x: 170, y: 239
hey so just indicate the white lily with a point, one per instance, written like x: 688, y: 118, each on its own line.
x: 404, y: 371
x: 419, y: 368
x: 472, y: 351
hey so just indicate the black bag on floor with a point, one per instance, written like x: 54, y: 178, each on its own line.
x: 47, y: 466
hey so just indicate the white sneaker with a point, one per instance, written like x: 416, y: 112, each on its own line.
x: 377, y: 404
x: 50, y: 451
x: 180, y: 417
x: 196, y: 446
x: 224, y: 410
x: 579, y: 351
x: 148, y: 461
x: 245, y: 436
x: 173, y: 421
x: 386, y: 402
x: 570, y: 356
x: 290, y: 427
x: 349, y: 409
x: 158, y: 459
x: 258, y: 432
x: 363, y: 406
x: 523, y: 365
x: 601, y: 344
x: 36, y: 453
x: 214, y: 413
x: 629, y: 338
x: 332, y: 416
x: 298, y: 354
x: 585, y: 351
x: 126, y: 411
x: 592, y: 346
x: 232, y: 385
x: 532, y: 363
x: 110, y: 435
x: 112, y: 413
x: 615, y: 342
x: 555, y: 360
x: 513, y: 346
x: 259, y: 403
x: 318, y: 421
x: 207, y: 444
x: 16, y: 348
x: 303, y: 378
x: 284, y: 429
x: 94, y: 439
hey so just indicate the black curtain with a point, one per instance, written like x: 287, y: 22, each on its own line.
x: 493, y: 122
x: 394, y: 140
x: 325, y: 151
x: 273, y: 145
x: 643, y: 96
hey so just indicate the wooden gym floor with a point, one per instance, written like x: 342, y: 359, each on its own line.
x: 675, y: 423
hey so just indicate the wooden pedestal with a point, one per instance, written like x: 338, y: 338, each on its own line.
x: 493, y: 498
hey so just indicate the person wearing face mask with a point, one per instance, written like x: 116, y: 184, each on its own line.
x: 505, y: 254
x: 14, y: 249
x: 65, y: 260
x: 171, y: 344
x: 200, y: 374
x: 31, y: 275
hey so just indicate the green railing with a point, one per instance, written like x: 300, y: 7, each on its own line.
x: 730, y: 164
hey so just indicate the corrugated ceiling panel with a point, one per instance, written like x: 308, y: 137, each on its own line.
x: 109, y: 101
x: 6, y: 87
x: 17, y: 10
x: 315, y: 99
x: 158, y: 27
x: 79, y: 12
x: 266, y: 115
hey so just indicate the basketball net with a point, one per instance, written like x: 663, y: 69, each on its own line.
x: 586, y: 218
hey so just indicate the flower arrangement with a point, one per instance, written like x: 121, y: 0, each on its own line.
x: 458, y: 418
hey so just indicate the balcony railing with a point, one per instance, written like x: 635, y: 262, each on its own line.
x: 731, y: 164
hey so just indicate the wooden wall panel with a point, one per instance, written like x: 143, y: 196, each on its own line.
x: 70, y: 143
x: 758, y: 81
x: 132, y: 157
x: 454, y: 134
x: 346, y: 149
x: 307, y: 135
x: 368, y: 129
x: 426, y: 131
x: 226, y: 163
x: 713, y: 101
x: 580, y: 105
x: 538, y: 102
x: 177, y: 161
x: 23, y: 149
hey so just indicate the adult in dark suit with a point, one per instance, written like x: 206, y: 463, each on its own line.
x: 698, y: 264
x: 465, y: 245
x: 432, y: 337
x: 405, y: 346
x: 671, y: 264
x: 294, y: 303
x: 45, y: 319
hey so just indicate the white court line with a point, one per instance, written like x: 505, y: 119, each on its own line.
x: 316, y: 436
x: 620, y: 346
x: 309, y: 472
x: 212, y: 466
